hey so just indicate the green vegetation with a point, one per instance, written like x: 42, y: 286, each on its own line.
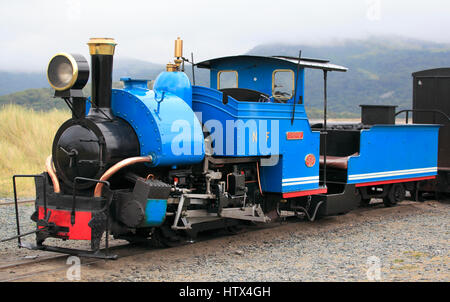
x: 379, y: 73
x: 37, y: 99
x: 26, y: 138
x: 42, y: 99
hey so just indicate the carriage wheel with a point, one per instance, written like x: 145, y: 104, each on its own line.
x: 396, y: 193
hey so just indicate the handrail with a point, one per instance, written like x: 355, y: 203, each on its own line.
x: 423, y: 110
x: 16, y: 207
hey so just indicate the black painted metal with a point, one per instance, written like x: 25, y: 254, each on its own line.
x: 77, y: 179
x: 131, y: 206
x: 338, y: 203
x: 296, y: 84
x: 76, y: 252
x: 193, y: 68
x: 236, y: 184
x: 16, y: 205
x: 423, y: 110
x: 102, y: 66
x: 378, y: 114
x: 78, y: 107
x: 340, y: 142
x: 87, y: 147
x: 431, y: 92
x: 83, y: 70
x: 324, y: 132
x: 242, y: 95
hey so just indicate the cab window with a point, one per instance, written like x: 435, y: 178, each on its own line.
x: 227, y: 79
x: 283, y: 84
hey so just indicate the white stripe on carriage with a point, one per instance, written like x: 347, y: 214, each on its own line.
x: 392, y: 173
x: 301, y: 178
x: 354, y: 177
x: 400, y: 172
x: 300, y: 183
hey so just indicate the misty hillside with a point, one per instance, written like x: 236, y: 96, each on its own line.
x: 11, y: 82
x: 379, y: 70
x: 379, y: 73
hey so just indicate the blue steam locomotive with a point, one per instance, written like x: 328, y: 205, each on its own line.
x: 166, y: 163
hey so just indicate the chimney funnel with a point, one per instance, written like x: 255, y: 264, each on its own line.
x: 102, y: 53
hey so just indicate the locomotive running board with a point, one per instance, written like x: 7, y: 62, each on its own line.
x: 247, y: 213
x: 75, y: 252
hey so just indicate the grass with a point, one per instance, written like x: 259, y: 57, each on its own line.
x: 26, y: 138
x: 417, y: 255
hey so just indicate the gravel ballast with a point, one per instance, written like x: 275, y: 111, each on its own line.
x: 410, y: 241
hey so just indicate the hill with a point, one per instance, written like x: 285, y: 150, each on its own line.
x: 12, y: 82
x: 379, y: 70
x: 379, y: 73
x: 41, y: 99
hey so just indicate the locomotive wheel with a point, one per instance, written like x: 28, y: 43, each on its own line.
x: 159, y: 240
x: 138, y: 238
x: 364, y: 202
x: 413, y: 191
x: 396, y: 193
x: 234, y: 230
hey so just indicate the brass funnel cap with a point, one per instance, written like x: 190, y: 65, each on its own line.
x: 102, y: 46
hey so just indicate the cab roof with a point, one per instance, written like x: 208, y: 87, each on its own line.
x: 304, y: 62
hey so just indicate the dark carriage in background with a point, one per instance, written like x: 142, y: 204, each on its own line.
x: 431, y: 105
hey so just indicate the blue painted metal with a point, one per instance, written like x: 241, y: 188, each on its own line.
x: 266, y: 126
x: 155, y: 212
x: 256, y: 73
x: 88, y: 105
x: 175, y: 82
x: 130, y: 83
x: 389, y: 152
x: 161, y: 120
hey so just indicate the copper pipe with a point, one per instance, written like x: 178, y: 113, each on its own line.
x: 122, y: 164
x: 259, y: 180
x: 51, y: 172
x: 251, y: 181
x: 227, y: 179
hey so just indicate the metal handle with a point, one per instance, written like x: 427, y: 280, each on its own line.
x: 16, y: 203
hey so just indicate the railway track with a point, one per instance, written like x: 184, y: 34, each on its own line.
x: 25, y: 269
x: 62, y: 266
x: 12, y: 202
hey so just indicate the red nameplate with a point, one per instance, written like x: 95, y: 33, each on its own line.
x: 294, y: 135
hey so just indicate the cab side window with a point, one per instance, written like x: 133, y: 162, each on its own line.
x: 227, y: 79
x: 283, y: 84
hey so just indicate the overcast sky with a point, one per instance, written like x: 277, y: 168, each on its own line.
x: 32, y: 31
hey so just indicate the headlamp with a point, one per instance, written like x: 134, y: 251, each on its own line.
x: 67, y: 71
